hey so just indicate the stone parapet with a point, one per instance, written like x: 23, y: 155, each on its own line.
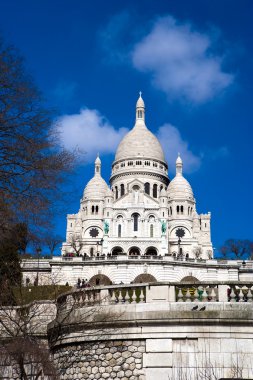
x: 141, y: 340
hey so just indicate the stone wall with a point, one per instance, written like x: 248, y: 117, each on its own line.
x: 159, y: 340
x: 102, y: 360
x: 126, y: 268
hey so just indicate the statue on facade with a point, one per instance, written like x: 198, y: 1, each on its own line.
x: 163, y: 226
x: 106, y: 227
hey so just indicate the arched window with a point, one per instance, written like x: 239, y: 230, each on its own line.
x: 122, y: 189
x: 117, y: 251
x: 96, y: 209
x: 116, y: 192
x: 155, y: 190
x: 119, y: 230
x: 136, y: 220
x: 177, y: 209
x: 92, y: 209
x: 151, y: 230
x: 161, y: 187
x: 147, y: 188
x: 182, y: 209
x: 91, y: 251
x: 170, y: 210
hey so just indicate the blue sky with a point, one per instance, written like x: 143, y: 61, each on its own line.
x: 193, y: 62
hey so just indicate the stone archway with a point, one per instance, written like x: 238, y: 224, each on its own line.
x: 144, y: 278
x: 151, y: 251
x: 99, y: 279
x: 191, y: 279
x: 134, y: 251
x: 117, y: 251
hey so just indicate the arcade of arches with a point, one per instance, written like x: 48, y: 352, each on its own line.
x: 134, y: 251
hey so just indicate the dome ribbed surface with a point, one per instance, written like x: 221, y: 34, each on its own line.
x: 138, y: 143
x: 180, y: 188
x: 96, y: 188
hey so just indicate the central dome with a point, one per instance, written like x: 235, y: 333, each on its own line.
x: 140, y: 142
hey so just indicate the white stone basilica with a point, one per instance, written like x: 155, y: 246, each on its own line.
x: 142, y: 212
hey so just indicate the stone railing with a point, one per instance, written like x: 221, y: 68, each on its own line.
x: 233, y: 292
x: 35, y: 264
x: 102, y: 295
x: 248, y: 264
x: 157, y: 292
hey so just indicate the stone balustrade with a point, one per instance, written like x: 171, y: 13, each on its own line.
x: 157, y: 292
x: 245, y: 264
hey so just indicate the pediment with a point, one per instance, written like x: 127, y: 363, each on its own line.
x: 136, y: 199
x: 135, y: 182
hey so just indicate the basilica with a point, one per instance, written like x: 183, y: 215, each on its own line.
x: 142, y: 212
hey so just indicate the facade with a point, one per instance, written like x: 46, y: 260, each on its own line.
x: 142, y: 212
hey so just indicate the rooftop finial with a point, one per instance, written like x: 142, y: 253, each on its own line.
x: 97, y: 165
x: 179, y: 165
x: 140, y: 108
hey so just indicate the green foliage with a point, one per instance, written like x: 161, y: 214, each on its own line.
x: 25, y: 295
x: 10, y: 270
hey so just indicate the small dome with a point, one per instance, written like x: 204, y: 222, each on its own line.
x: 180, y: 188
x: 96, y: 188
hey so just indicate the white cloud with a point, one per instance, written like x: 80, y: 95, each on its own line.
x: 172, y: 144
x: 90, y: 133
x: 181, y: 62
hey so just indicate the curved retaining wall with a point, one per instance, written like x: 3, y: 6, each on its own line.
x: 164, y: 340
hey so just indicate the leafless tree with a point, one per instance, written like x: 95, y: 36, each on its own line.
x: 237, y: 249
x: 32, y: 164
x: 76, y: 244
x: 23, y: 340
x: 197, y: 252
x: 23, y: 335
x: 51, y: 241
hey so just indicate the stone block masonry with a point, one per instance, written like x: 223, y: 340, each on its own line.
x: 102, y: 360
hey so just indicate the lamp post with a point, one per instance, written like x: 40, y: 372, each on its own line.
x: 179, y: 233
x: 38, y: 250
x: 99, y: 243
